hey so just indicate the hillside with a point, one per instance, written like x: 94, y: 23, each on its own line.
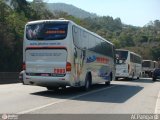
x: 143, y: 40
x: 70, y: 9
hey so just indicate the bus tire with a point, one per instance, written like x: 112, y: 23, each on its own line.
x: 88, y: 82
x: 153, y: 79
x: 109, y: 82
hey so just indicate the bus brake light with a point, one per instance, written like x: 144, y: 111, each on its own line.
x: 24, y: 66
x: 68, y: 67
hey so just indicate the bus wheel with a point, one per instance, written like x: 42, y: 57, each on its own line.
x: 53, y: 88
x: 109, y: 81
x: 88, y: 80
x: 153, y: 79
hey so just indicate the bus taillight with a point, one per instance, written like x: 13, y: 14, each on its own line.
x: 24, y: 66
x: 68, y: 67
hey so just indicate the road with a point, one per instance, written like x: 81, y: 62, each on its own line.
x: 136, y: 96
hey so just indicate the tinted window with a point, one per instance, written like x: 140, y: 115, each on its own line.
x: 135, y: 58
x: 46, y: 31
x: 121, y: 55
x: 84, y: 40
x: 146, y: 64
x: 107, y: 49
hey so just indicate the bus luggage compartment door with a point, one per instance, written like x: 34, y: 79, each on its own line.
x: 45, y: 62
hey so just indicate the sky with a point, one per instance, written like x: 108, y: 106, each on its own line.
x: 132, y: 12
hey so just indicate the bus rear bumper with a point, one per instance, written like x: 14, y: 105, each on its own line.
x: 122, y: 75
x: 47, y: 81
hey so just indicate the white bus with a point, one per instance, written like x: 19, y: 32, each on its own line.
x: 60, y: 53
x: 128, y: 64
x: 148, y: 67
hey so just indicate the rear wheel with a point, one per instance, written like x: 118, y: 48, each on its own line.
x: 154, y: 79
x: 88, y: 83
x: 109, y: 82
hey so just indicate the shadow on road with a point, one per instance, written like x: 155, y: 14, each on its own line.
x: 116, y: 94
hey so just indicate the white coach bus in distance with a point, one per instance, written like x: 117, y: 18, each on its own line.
x: 60, y: 53
x: 148, y: 67
x: 128, y: 64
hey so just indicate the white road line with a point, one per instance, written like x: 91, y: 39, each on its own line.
x: 64, y: 100
x: 157, y: 108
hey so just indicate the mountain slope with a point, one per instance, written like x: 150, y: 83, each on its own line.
x: 70, y: 9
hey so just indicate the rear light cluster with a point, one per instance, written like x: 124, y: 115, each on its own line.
x: 59, y: 71
x: 24, y: 66
x: 68, y: 67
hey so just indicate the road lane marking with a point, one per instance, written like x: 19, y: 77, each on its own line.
x: 64, y: 100
x: 157, y: 108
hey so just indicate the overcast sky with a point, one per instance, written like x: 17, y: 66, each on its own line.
x: 134, y: 12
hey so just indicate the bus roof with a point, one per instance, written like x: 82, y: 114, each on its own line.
x: 53, y: 20
x: 64, y: 20
x: 128, y: 51
x: 146, y: 60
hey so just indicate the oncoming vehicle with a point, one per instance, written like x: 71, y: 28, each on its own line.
x: 128, y: 64
x: 60, y: 53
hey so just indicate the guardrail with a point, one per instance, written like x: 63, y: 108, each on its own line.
x: 9, y: 77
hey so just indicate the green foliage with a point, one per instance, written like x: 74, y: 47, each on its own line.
x: 156, y: 52
x: 142, y: 40
x: 13, y: 18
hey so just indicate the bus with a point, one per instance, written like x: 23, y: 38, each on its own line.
x: 128, y: 64
x: 148, y: 67
x: 60, y: 53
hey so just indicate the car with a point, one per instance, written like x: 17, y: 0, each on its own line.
x: 156, y: 74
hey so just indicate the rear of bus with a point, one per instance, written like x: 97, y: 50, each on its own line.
x: 122, y: 64
x: 45, y: 53
x: 147, y: 67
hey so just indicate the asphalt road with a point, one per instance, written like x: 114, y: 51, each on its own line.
x: 136, y: 96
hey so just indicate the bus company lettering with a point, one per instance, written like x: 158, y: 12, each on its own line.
x: 97, y: 59
x: 43, y: 43
x: 102, y: 60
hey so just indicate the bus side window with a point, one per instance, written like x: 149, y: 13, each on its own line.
x: 75, y: 35
x: 84, y: 38
x: 91, y: 42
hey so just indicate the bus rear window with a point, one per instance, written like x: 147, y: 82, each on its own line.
x: 146, y: 64
x: 47, y: 31
x: 121, y: 55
